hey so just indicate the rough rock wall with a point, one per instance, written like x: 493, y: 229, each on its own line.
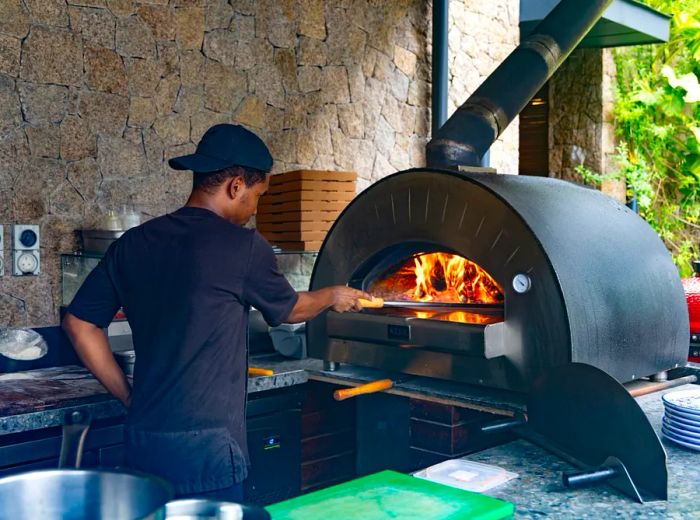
x: 95, y: 95
x: 581, y: 121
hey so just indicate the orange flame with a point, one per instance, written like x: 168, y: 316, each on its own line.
x: 439, y: 277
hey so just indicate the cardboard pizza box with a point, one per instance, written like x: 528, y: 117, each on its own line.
x: 304, y: 185
x: 299, y: 206
x: 297, y: 216
x: 280, y: 227
x: 312, y: 175
x: 304, y: 245
x: 327, y: 196
x: 295, y: 236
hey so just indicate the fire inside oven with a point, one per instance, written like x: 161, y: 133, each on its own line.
x: 437, y: 286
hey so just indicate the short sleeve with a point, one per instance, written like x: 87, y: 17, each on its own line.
x: 96, y: 301
x: 265, y: 287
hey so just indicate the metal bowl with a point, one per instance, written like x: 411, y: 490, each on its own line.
x: 204, y: 509
x: 72, y: 494
x: 21, y: 349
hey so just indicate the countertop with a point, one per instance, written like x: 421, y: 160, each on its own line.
x: 41, y: 398
x: 538, y: 492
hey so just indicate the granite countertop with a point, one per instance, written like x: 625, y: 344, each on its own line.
x: 41, y: 398
x: 538, y: 491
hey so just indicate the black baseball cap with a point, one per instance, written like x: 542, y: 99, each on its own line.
x: 224, y: 146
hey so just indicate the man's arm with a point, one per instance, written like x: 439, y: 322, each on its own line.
x: 311, y: 304
x: 91, y: 345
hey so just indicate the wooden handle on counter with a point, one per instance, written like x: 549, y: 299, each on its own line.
x: 252, y: 372
x: 374, y: 303
x: 368, y: 388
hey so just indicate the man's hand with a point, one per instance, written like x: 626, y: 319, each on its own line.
x: 347, y: 299
x: 90, y: 343
x: 338, y: 297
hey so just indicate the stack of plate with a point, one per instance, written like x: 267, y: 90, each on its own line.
x: 681, y: 422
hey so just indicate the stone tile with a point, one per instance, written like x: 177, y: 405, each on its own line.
x: 266, y: 83
x: 243, y: 27
x: 405, y: 60
x: 117, y: 158
x: 14, y: 18
x: 78, y: 141
x: 351, y: 119
x: 189, y: 27
x: 52, y: 56
x: 96, y: 26
x: 166, y: 94
x: 89, y: 3
x: 168, y: 57
x: 13, y: 309
x: 154, y: 148
x: 9, y: 55
x: 65, y: 201
x: 104, y: 113
x: 85, y: 177
x: 309, y: 78
x: 202, y: 120
x: 10, y: 113
x: 282, y: 32
x: 312, y: 19
x: 160, y: 19
x: 134, y: 38
x: 224, y: 87
x: 173, y: 129
x: 42, y: 103
x: 105, y: 71
x: 142, y: 112
x: 218, y: 15
x: 335, y: 85
x: 295, y: 113
x: 285, y: 62
x: 356, y: 82
x: 143, y: 76
x: 251, y: 112
x: 48, y: 12
x: 44, y: 141
x: 121, y: 7
x: 191, y: 67
x: 190, y: 100
x: 282, y: 145
x: 221, y: 45
x: 312, y: 52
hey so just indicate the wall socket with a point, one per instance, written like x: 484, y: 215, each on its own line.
x: 25, y: 244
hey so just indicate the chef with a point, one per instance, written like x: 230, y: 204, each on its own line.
x: 186, y: 282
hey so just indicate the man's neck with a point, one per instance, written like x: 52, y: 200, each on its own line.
x: 199, y: 200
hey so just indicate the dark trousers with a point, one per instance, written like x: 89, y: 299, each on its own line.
x: 229, y: 494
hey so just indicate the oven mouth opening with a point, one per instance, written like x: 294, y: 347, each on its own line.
x: 423, y: 281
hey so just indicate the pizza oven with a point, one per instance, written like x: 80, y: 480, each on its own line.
x: 495, y: 279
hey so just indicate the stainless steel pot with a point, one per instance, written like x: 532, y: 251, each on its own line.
x: 71, y: 494
x: 203, y: 509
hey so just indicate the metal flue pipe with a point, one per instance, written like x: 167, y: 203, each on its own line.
x: 474, y: 126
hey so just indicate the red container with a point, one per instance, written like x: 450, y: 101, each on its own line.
x: 692, y: 294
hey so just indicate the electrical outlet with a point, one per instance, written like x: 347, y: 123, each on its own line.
x: 26, y: 259
x: 25, y: 237
x: 2, y: 251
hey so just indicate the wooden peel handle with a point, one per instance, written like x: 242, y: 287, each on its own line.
x: 374, y: 303
x: 368, y: 388
x: 252, y: 372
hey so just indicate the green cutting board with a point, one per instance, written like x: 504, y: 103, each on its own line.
x: 388, y: 494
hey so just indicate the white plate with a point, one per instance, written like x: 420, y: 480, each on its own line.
x: 683, y: 416
x: 684, y: 400
x: 681, y: 425
x: 675, y: 430
x: 680, y: 441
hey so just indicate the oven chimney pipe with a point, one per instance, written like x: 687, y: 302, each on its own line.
x: 472, y: 129
x: 439, y: 76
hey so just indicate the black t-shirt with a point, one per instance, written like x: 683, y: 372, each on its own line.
x: 186, y: 281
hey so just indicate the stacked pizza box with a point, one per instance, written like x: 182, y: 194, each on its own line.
x: 300, y: 207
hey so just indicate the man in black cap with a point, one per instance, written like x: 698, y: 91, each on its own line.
x: 186, y: 281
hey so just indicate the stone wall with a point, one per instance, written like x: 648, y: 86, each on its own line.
x: 581, y: 120
x: 95, y: 95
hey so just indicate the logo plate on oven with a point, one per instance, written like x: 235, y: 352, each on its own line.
x: 398, y: 332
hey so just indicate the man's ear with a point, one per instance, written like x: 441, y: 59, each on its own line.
x: 235, y: 186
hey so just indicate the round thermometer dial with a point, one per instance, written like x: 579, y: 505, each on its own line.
x: 522, y: 283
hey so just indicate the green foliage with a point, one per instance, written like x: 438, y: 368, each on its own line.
x: 658, y: 119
